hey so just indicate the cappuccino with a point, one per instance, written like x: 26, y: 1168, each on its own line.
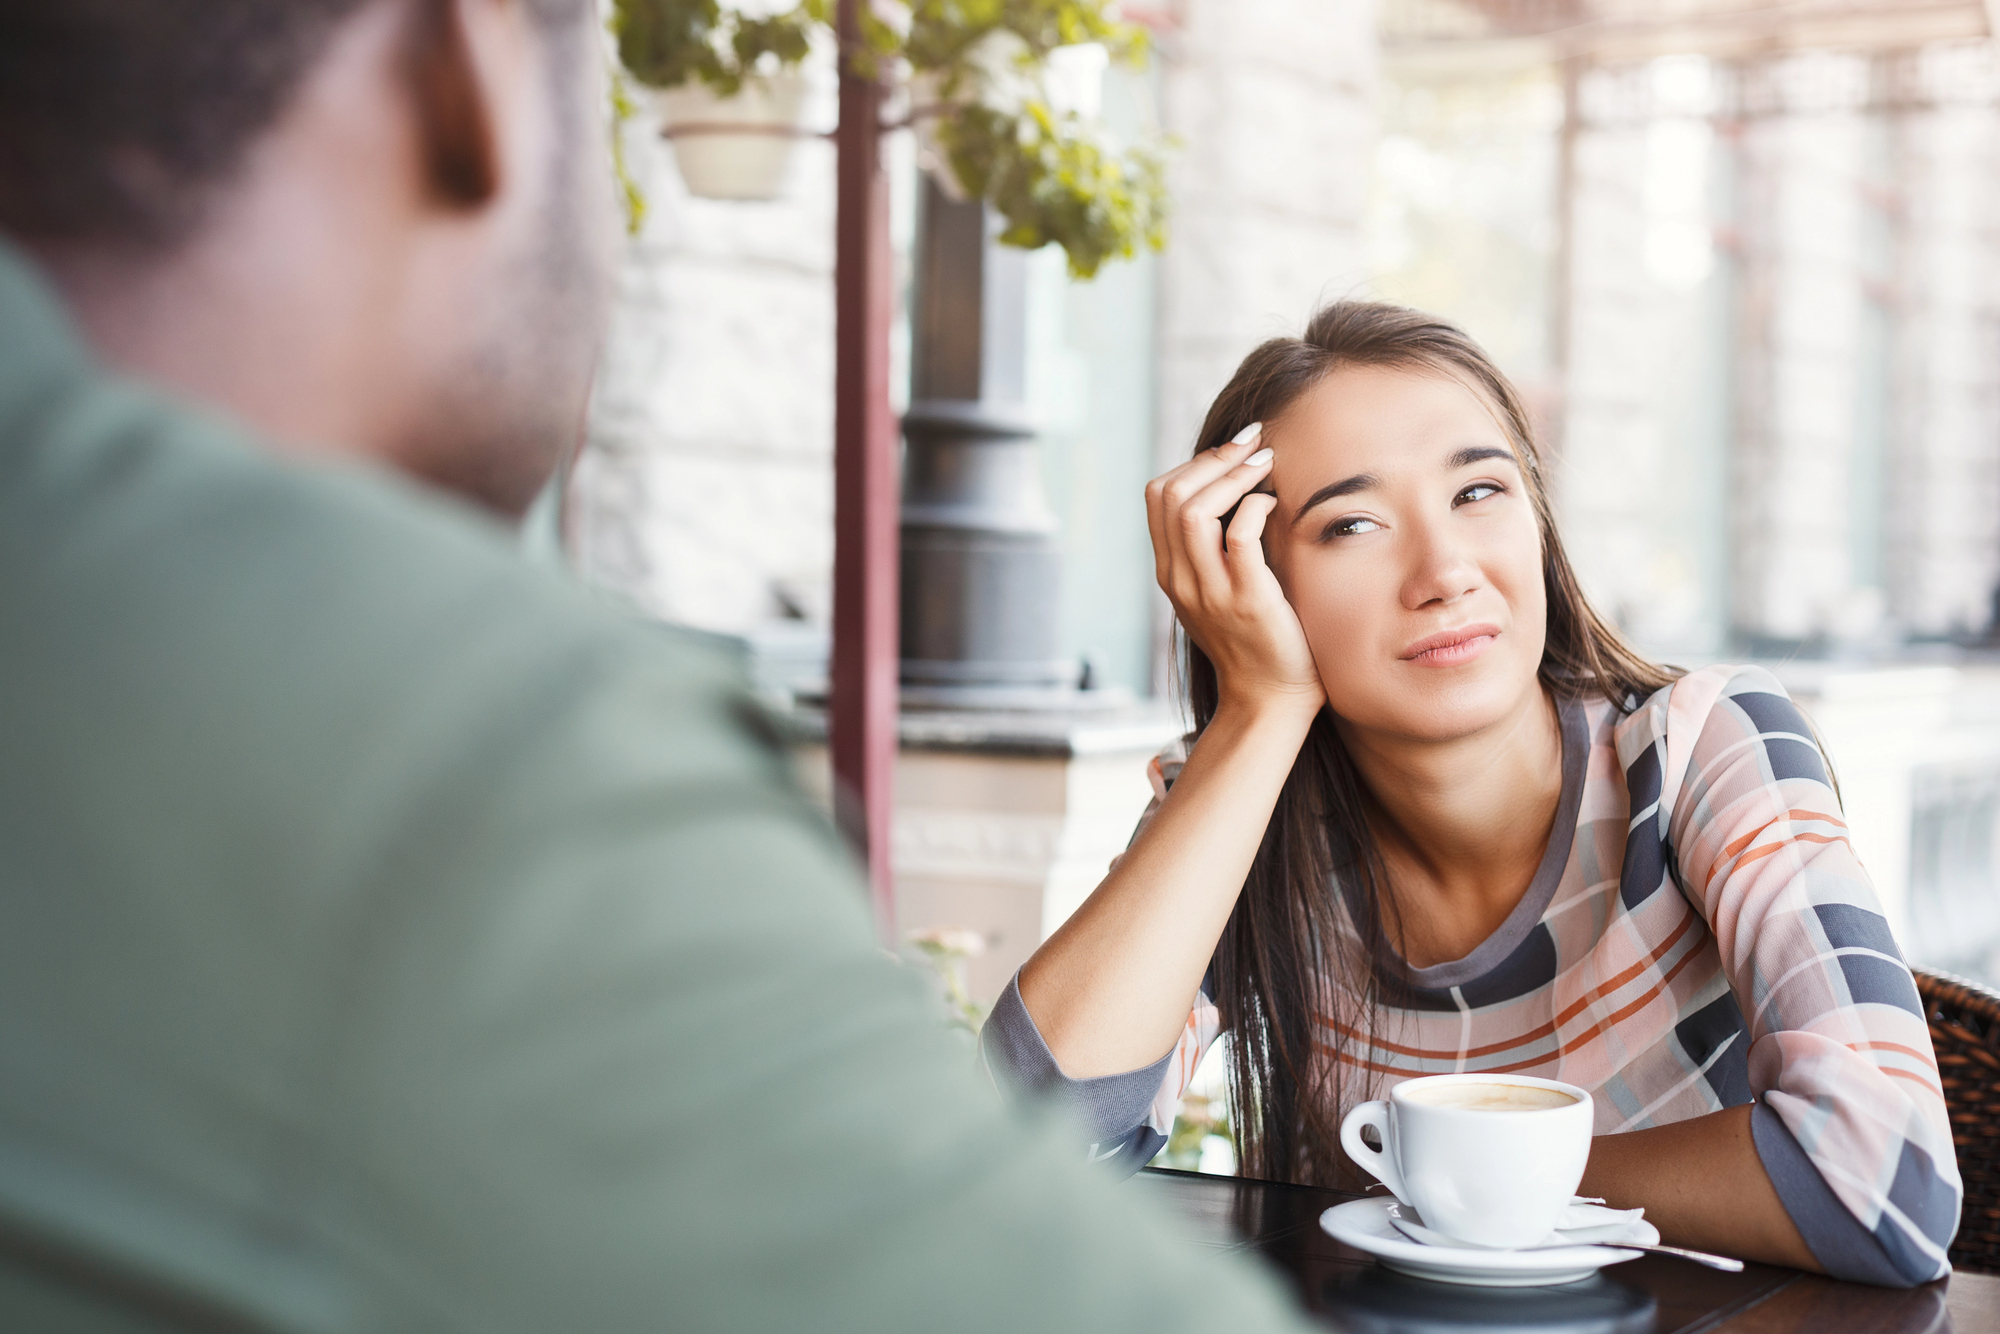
x: 1491, y: 1097
x: 1486, y: 1180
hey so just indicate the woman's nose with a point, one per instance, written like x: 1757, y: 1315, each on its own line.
x: 1441, y: 570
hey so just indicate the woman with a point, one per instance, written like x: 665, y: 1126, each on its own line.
x: 1438, y: 817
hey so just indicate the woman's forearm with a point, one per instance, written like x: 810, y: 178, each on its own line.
x: 1702, y: 1185
x: 1111, y: 989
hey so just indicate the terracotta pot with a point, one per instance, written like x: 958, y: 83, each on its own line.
x: 736, y: 147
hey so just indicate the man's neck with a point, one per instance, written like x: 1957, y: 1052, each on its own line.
x: 267, y: 340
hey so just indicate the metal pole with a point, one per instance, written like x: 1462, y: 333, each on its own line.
x: 861, y: 713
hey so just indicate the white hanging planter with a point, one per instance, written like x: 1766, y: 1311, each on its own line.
x: 736, y: 147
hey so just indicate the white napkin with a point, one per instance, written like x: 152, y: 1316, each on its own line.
x: 1590, y: 1224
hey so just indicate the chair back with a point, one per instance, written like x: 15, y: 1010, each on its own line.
x: 1965, y: 1028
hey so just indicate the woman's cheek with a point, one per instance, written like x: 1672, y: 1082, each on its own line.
x: 1336, y: 626
x: 1513, y: 562
x: 1528, y: 607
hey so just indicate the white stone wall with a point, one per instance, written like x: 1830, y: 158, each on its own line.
x: 1008, y: 845
x: 705, y: 492
x: 1272, y: 101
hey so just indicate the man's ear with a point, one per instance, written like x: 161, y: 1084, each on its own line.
x: 454, y: 121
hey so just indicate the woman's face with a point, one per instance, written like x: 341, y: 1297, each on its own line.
x: 1406, y: 542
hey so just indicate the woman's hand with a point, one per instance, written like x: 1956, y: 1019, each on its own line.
x: 1110, y: 989
x: 1219, y: 583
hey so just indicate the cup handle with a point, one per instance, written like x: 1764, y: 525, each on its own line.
x: 1378, y: 1163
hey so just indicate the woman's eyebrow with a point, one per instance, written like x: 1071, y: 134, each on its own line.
x: 1472, y: 454
x: 1362, y: 481
x: 1346, y: 486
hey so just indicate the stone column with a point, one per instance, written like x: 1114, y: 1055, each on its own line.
x: 1800, y: 346
x: 1606, y: 476
x: 1638, y: 463
x: 981, y: 572
x: 1943, y: 524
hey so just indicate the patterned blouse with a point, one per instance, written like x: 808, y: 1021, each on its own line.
x: 1675, y: 958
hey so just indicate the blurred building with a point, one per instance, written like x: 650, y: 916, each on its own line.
x: 1743, y: 257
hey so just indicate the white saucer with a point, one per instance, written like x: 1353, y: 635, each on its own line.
x: 1365, y: 1225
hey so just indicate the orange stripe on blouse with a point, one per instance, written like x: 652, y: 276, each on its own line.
x: 1934, y: 1086
x: 1763, y: 852
x: 1926, y: 1057
x: 1541, y: 1030
x: 1820, y: 816
x: 1563, y: 1047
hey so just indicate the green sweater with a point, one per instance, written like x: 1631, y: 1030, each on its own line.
x: 393, y: 937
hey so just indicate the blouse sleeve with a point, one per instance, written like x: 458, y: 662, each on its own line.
x: 1127, y: 1116
x: 1850, y: 1119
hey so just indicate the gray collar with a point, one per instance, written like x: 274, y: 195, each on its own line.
x: 1527, y: 914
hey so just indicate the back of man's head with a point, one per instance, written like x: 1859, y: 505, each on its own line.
x: 367, y: 226
x: 118, y: 116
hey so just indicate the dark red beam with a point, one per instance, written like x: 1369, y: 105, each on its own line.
x: 861, y: 713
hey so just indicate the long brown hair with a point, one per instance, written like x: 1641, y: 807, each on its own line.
x: 1286, y: 963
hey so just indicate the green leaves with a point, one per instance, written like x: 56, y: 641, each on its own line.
x: 983, y: 68
x: 666, y: 43
x: 942, y: 31
x: 1052, y: 180
x: 631, y: 199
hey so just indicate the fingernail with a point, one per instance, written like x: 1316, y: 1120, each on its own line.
x: 1259, y: 459
x: 1248, y: 433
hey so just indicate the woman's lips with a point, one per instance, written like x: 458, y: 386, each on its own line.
x: 1452, y: 647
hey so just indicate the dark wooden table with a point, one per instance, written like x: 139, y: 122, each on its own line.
x: 1651, y: 1295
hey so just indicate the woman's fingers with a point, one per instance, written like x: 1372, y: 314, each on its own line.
x: 1176, y: 485
x: 1169, y: 492
x: 1199, y: 517
x: 1223, y: 591
x: 1245, y: 538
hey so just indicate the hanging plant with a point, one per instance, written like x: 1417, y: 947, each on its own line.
x: 987, y: 82
x: 667, y: 43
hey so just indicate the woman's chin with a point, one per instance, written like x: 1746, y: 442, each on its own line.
x: 1430, y: 704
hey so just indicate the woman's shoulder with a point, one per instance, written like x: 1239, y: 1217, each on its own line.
x: 1689, y: 700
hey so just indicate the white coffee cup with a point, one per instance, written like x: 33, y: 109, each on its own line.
x: 1487, y: 1159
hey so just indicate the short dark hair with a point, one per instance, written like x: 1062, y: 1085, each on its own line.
x: 119, y: 118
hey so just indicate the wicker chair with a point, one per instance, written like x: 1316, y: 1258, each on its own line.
x: 1965, y: 1028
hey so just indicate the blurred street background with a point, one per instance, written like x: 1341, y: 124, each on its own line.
x: 1743, y: 256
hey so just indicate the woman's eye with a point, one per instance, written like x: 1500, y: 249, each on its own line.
x: 1477, y: 491
x: 1351, y: 525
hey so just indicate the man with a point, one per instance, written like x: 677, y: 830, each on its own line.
x: 391, y: 938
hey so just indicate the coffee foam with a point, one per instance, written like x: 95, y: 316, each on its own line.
x: 1491, y: 1097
